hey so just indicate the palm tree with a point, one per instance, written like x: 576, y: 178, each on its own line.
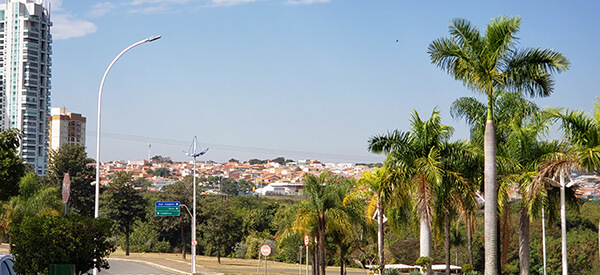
x: 487, y: 63
x: 455, y: 192
x: 556, y: 170
x: 517, y: 136
x: 321, y: 211
x: 415, y: 155
x: 526, y: 152
x: 582, y: 132
x: 386, y: 191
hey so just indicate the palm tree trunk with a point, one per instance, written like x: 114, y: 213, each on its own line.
x: 524, y: 241
x: 447, y: 242
x: 469, y: 239
x: 380, y: 237
x: 456, y: 255
x: 219, y: 253
x: 492, y: 266
x: 425, y: 236
x: 322, y: 260
x: 563, y: 224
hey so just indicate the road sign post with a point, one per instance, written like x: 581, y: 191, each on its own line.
x: 166, y: 208
x: 265, y: 250
x: 306, y: 240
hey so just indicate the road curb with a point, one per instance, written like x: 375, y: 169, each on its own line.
x: 164, y: 267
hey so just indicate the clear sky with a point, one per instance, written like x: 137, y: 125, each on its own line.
x: 299, y: 79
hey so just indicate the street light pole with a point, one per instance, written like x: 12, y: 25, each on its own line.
x: 192, y: 153
x: 96, y: 207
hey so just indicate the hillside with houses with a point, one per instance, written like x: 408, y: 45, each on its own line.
x: 278, y: 176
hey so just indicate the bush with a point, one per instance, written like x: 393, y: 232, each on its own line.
x: 41, y: 241
x: 425, y: 262
x: 240, y: 250
x: 162, y: 246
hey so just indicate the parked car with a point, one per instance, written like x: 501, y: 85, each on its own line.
x: 7, y: 262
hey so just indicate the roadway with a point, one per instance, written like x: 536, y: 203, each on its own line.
x: 120, y: 267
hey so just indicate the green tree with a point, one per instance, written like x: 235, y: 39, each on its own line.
x: 160, y: 172
x: 386, y: 192
x: 319, y: 211
x: 73, y: 159
x: 416, y: 157
x: 487, y: 63
x: 33, y: 200
x: 519, y: 131
x: 77, y: 240
x: 256, y: 161
x: 12, y: 167
x: 454, y: 193
x: 220, y: 227
x: 181, y: 191
x: 582, y: 133
x: 123, y: 204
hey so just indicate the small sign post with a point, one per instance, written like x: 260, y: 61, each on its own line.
x: 306, y: 240
x: 166, y: 208
x: 265, y: 250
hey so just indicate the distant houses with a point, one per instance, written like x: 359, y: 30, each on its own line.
x: 270, y: 178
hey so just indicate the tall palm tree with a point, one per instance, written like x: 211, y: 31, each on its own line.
x: 526, y: 151
x: 455, y: 192
x: 517, y: 134
x: 416, y: 157
x: 385, y: 191
x: 582, y: 133
x: 487, y: 63
x: 556, y: 170
x: 320, y: 210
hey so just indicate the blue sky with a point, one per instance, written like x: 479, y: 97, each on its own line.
x: 300, y: 79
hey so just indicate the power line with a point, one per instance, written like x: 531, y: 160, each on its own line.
x: 232, y: 148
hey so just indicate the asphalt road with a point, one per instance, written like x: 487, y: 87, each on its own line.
x: 118, y: 267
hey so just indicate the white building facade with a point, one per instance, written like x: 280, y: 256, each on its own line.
x: 66, y: 128
x: 25, y: 50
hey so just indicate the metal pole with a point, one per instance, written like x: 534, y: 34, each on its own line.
x: 194, y: 218
x: 544, y: 239
x: 307, y: 260
x: 149, y: 39
x: 265, y: 265
x: 563, y: 227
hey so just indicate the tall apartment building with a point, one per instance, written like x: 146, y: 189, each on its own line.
x: 66, y: 128
x: 25, y: 49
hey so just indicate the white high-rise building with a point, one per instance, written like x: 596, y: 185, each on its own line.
x: 25, y: 50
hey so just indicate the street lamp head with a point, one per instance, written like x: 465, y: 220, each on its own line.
x: 152, y: 38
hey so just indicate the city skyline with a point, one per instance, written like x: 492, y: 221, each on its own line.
x: 25, y: 72
x: 298, y: 79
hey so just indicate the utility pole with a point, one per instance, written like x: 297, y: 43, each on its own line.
x: 192, y: 153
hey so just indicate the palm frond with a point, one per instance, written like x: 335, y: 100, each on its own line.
x: 500, y: 38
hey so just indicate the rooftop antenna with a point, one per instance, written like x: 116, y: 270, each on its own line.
x: 192, y: 152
